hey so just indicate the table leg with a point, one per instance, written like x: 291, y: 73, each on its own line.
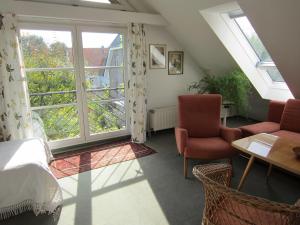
x: 250, y: 162
x: 269, y: 170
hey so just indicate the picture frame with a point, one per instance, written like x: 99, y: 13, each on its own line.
x: 157, y: 56
x: 175, y: 62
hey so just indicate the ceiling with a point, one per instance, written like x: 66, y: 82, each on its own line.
x: 191, y: 30
x: 104, y: 4
x: 275, y: 21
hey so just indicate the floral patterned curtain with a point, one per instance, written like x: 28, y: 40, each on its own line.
x: 137, y: 56
x: 15, y: 116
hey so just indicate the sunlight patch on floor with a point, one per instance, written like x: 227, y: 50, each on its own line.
x: 112, y: 195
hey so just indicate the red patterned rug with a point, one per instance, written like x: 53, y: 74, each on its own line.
x: 67, y: 164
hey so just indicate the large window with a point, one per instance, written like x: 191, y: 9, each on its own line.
x: 264, y: 59
x: 104, y: 79
x: 76, y: 82
x: 48, y: 58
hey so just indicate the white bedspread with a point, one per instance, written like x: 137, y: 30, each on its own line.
x: 26, y: 182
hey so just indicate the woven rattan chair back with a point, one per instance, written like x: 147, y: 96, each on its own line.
x: 226, y: 206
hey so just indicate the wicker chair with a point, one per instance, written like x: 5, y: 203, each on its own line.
x: 226, y: 206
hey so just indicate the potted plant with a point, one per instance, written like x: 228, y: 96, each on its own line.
x: 234, y: 87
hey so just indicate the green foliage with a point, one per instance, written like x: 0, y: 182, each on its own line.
x: 57, y: 87
x: 234, y: 87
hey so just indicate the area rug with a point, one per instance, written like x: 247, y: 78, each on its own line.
x: 68, y: 164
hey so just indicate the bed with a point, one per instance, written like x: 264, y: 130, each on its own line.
x: 26, y: 182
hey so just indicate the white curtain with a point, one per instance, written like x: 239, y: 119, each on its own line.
x: 137, y: 56
x: 15, y: 116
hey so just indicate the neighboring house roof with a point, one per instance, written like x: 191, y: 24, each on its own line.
x: 95, y: 56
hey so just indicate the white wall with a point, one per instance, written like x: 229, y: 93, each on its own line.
x: 163, y: 89
x: 190, y: 29
x: 258, y: 107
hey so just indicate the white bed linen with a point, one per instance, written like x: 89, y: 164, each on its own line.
x: 26, y: 182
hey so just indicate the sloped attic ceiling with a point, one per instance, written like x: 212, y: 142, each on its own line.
x: 275, y: 21
x: 191, y: 30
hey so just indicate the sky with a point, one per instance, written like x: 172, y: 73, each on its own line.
x: 90, y: 40
x: 246, y: 26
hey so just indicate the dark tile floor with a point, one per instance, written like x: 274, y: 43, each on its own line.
x: 180, y: 200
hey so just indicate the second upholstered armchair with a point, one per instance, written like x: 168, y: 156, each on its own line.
x: 199, y: 133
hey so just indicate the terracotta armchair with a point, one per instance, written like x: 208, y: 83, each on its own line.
x: 272, y: 124
x: 226, y: 206
x: 200, y: 134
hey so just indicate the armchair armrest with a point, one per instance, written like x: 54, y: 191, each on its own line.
x: 181, y: 136
x: 230, y: 134
x: 218, y: 172
x: 297, y: 203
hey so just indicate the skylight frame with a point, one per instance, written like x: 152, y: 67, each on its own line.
x: 123, y: 4
x: 249, y: 51
x: 262, y: 64
x: 238, y: 47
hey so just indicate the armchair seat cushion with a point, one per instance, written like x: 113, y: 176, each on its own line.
x: 287, y: 134
x: 263, y: 127
x: 208, y: 148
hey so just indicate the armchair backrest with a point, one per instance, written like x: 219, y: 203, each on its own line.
x: 226, y: 206
x: 275, y: 111
x: 291, y: 116
x: 200, y: 114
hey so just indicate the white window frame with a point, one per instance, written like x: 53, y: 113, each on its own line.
x: 61, y: 27
x: 95, y: 29
x: 124, y: 5
x: 263, y: 65
x: 78, y: 67
x: 240, y: 49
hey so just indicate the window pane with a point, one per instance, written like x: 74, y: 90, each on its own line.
x: 258, y: 47
x: 102, y: 49
x: 47, y: 49
x: 51, y: 87
x: 52, y: 92
x: 60, y: 123
x: 106, y: 116
x: 104, y: 78
x: 106, y: 94
x: 253, y: 39
x: 275, y: 74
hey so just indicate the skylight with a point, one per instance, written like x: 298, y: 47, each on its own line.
x: 265, y: 60
x: 105, y: 4
x: 241, y: 40
x: 101, y: 1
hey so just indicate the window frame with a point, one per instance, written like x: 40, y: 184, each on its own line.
x: 94, y: 29
x: 261, y: 64
x: 75, y: 28
x: 224, y: 27
x: 250, y: 52
x: 60, y: 27
x: 124, y: 5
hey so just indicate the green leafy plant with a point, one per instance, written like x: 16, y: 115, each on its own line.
x: 59, y: 117
x: 234, y: 87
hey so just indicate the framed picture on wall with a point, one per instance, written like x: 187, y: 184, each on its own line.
x: 157, y: 56
x: 175, y: 62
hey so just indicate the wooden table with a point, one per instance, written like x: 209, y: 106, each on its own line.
x: 269, y: 148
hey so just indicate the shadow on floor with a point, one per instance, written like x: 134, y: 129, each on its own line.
x: 182, y: 199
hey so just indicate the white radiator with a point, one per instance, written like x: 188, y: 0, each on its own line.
x: 162, y: 118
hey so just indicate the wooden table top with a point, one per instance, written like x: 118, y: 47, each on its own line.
x: 272, y: 149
